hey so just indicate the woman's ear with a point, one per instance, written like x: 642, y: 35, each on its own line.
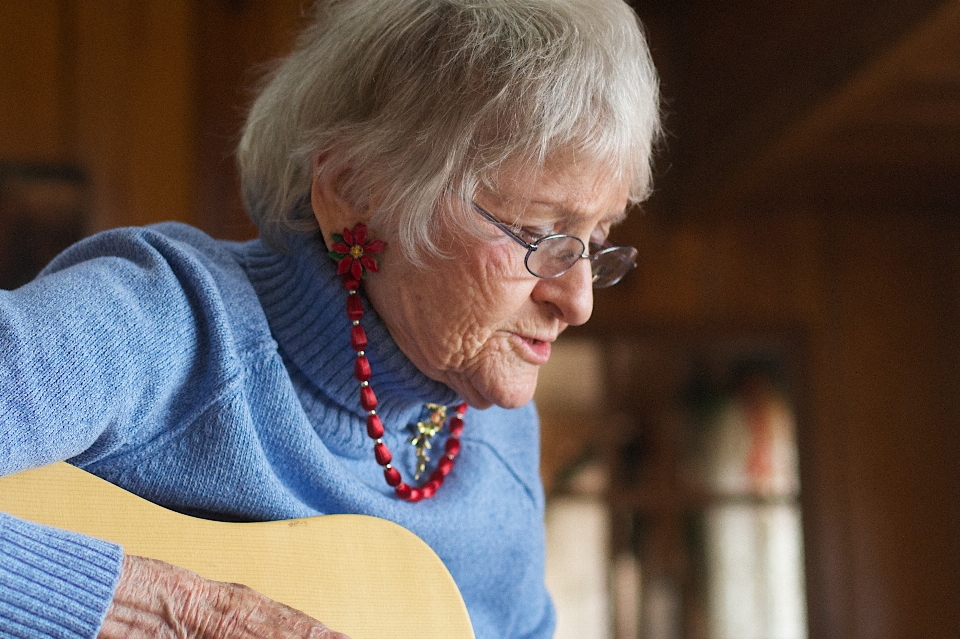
x: 332, y: 211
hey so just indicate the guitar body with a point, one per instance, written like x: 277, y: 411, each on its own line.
x: 364, y: 576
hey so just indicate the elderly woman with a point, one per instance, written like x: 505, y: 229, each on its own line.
x: 462, y: 162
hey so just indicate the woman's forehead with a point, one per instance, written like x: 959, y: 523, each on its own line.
x: 571, y: 190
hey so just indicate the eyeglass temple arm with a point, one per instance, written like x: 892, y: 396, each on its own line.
x: 519, y: 240
x: 489, y: 217
x: 503, y: 227
x: 532, y: 247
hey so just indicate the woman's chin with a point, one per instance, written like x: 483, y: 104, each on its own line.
x: 507, y: 391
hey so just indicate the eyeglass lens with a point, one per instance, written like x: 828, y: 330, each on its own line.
x: 611, y: 264
x: 556, y: 255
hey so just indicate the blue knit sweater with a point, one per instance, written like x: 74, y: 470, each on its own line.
x: 216, y: 379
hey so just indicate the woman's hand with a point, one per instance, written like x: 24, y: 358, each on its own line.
x: 157, y: 600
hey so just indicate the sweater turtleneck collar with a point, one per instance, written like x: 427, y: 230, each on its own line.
x: 305, y: 304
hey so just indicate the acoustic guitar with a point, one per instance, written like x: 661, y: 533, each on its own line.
x: 364, y: 576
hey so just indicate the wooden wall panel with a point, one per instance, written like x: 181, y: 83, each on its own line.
x: 33, y: 51
x: 766, y: 269
x: 237, y: 42
x: 134, y: 88
x: 826, y: 496
x: 110, y: 85
x: 897, y: 324
x: 952, y: 405
x: 751, y: 68
x: 668, y: 282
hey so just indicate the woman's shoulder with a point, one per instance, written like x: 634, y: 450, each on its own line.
x: 154, y: 265
x: 173, y: 242
x: 146, y: 245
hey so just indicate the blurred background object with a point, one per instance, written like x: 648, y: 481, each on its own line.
x: 805, y: 224
x: 43, y: 210
x: 675, y: 510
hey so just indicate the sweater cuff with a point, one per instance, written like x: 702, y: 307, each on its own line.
x: 54, y: 583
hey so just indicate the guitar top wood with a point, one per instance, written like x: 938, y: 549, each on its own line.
x: 364, y: 576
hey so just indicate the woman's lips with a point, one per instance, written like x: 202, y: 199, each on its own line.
x: 536, y: 351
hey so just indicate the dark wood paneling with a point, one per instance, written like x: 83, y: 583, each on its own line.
x: 133, y: 86
x: 237, y: 44
x: 33, y: 112
x: 895, y: 362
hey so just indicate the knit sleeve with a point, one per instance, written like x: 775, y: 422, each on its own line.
x: 54, y: 583
x: 121, y: 337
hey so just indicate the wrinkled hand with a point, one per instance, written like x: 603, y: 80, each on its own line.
x: 158, y: 600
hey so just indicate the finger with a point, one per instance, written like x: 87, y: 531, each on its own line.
x: 238, y: 612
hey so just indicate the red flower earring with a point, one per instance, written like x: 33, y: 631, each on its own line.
x: 355, y: 255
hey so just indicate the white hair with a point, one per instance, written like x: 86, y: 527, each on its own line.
x: 412, y: 99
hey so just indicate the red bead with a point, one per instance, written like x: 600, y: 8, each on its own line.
x: 354, y: 307
x: 358, y: 338
x: 374, y: 427
x: 462, y: 408
x: 416, y: 494
x: 350, y: 283
x: 456, y: 426
x: 403, y: 491
x: 382, y: 453
x: 361, y: 369
x: 429, y: 489
x: 452, y: 446
x: 392, y: 475
x: 437, y: 476
x: 444, y: 466
x: 368, y: 399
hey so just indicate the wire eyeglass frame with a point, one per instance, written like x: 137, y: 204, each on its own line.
x: 608, y: 265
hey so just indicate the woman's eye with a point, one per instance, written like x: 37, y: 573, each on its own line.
x: 531, y: 234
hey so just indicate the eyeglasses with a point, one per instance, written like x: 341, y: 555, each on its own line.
x: 554, y: 255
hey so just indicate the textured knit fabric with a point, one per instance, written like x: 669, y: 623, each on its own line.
x: 217, y: 379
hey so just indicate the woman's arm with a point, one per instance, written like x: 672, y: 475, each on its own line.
x: 53, y: 583
x: 115, y: 342
x: 98, y: 355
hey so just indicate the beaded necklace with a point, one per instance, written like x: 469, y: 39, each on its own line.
x: 355, y: 255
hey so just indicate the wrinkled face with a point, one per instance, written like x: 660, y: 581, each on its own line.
x: 480, y: 322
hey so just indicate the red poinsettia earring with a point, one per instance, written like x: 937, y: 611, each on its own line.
x: 355, y: 255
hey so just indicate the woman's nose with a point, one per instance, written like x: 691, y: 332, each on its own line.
x: 571, y: 293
